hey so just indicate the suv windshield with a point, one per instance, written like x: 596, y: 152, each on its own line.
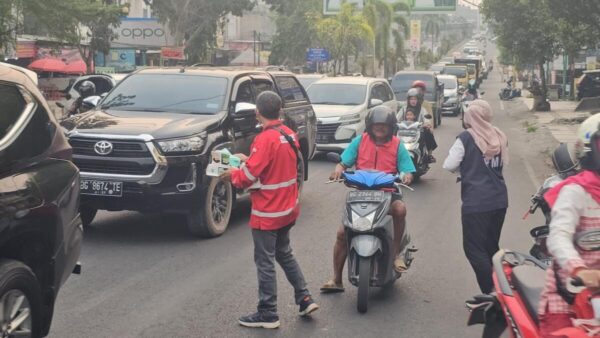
x: 402, y: 83
x: 337, y: 93
x: 456, y: 71
x: 179, y: 93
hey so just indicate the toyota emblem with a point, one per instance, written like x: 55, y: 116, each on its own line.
x: 103, y: 148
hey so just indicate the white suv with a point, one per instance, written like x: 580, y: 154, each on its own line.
x: 341, y: 105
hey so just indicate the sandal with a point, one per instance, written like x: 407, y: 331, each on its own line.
x: 332, y: 287
x: 400, y: 265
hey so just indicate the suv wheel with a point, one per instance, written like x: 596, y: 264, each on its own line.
x: 20, y: 299
x: 87, y: 215
x: 212, y: 217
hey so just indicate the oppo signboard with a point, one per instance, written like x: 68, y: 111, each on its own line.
x: 143, y: 33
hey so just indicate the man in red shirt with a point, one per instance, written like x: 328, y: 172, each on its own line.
x: 271, y: 172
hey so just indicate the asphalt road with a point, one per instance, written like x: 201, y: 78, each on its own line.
x: 144, y: 276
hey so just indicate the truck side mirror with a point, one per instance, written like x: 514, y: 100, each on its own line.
x: 244, y: 108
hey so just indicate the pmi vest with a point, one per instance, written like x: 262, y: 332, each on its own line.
x: 382, y: 157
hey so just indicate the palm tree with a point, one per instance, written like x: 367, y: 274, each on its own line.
x: 433, y: 27
x: 343, y: 34
x: 381, y: 16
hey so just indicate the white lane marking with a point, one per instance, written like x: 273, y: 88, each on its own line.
x: 501, y: 105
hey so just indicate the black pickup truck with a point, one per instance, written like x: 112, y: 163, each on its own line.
x: 146, y: 145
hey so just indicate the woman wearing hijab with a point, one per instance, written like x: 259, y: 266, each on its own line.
x: 480, y: 152
x: 413, y: 104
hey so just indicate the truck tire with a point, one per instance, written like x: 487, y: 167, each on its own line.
x: 211, y: 218
x: 301, y: 172
x: 87, y: 215
x: 20, y: 296
x: 439, y: 118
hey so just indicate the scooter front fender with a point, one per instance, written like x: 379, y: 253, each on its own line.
x: 365, y: 245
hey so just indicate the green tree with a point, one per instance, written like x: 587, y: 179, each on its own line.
x: 434, y: 26
x: 386, y: 22
x: 195, y: 22
x: 343, y: 34
x: 296, y: 31
x: 526, y: 30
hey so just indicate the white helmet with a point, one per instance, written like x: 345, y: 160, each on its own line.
x: 587, y: 147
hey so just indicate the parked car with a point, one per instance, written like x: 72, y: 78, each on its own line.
x: 589, y: 84
x: 342, y: 103
x: 307, y: 79
x: 39, y: 198
x: 451, y: 94
x: 147, y: 144
x: 403, y: 80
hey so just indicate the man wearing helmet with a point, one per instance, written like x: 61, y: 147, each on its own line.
x: 422, y: 87
x: 378, y: 148
x: 575, y: 206
x: 86, y: 89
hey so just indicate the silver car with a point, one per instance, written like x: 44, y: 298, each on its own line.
x: 341, y: 105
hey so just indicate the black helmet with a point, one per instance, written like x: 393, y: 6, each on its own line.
x: 87, y: 88
x: 381, y: 114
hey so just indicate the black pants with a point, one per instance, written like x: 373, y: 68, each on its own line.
x: 481, y: 234
x: 428, y: 139
x: 271, y: 246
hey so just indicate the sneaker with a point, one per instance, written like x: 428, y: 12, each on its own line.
x: 308, y: 306
x: 261, y: 320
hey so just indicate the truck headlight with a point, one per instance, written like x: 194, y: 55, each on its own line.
x: 182, y: 145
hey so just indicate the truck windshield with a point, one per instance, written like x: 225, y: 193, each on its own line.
x: 179, y: 93
x: 337, y: 93
x: 456, y: 71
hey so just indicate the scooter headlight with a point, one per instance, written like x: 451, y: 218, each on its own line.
x: 362, y: 223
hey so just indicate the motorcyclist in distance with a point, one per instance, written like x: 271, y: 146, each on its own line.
x: 86, y: 89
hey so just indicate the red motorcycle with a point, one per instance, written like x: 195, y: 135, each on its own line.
x: 518, y: 281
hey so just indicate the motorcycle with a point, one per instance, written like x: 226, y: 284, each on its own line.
x: 370, y: 230
x: 509, y: 93
x: 518, y: 281
x: 565, y: 167
x: 410, y: 134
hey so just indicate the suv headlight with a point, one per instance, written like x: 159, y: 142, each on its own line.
x: 350, y: 119
x: 182, y: 145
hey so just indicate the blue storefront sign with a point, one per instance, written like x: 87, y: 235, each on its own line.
x: 122, y: 60
x: 317, y: 55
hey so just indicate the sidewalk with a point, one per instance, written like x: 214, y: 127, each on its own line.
x: 562, y: 120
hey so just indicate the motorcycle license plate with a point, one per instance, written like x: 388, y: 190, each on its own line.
x: 365, y: 196
x: 101, y: 188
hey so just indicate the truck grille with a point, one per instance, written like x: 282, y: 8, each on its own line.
x: 326, y: 132
x: 126, y: 158
x: 120, y: 148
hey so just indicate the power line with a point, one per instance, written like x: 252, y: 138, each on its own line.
x: 472, y: 4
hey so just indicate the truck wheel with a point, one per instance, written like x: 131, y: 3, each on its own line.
x: 364, y: 282
x: 212, y: 217
x: 87, y: 215
x: 439, y: 118
x: 20, y: 299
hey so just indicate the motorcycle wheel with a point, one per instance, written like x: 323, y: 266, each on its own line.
x: 364, y: 281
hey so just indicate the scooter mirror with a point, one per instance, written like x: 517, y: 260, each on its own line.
x: 481, y: 93
x: 428, y: 116
x: 334, y: 157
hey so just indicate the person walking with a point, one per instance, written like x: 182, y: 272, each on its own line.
x: 271, y: 172
x: 480, y: 153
